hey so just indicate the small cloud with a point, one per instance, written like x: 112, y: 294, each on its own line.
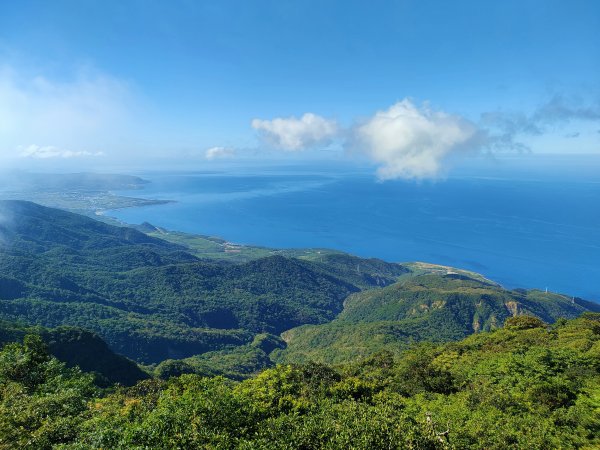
x: 511, y: 123
x: 219, y: 153
x: 412, y: 142
x: 293, y: 134
x: 572, y: 135
x: 561, y: 109
x: 49, y: 151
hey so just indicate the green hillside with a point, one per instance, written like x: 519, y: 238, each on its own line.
x: 525, y: 386
x: 434, y: 306
x: 152, y: 300
x: 77, y: 347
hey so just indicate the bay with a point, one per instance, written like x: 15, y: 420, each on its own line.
x: 522, y: 229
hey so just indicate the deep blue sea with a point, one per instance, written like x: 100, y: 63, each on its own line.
x: 533, y: 224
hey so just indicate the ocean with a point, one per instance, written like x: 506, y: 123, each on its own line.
x: 523, y: 225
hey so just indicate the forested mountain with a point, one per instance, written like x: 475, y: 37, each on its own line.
x: 152, y: 300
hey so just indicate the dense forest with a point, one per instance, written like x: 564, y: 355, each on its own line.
x: 428, y: 307
x: 151, y: 299
x: 528, y: 385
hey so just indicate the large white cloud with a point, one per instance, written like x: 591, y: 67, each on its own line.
x: 293, y: 134
x: 408, y: 141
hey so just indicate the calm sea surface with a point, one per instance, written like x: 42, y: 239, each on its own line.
x: 527, y: 227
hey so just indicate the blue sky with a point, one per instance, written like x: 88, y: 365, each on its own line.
x: 98, y: 81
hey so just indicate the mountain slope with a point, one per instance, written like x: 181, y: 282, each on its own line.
x: 77, y: 347
x: 27, y: 228
x: 434, y: 307
x: 151, y: 299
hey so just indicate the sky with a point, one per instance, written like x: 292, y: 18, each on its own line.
x: 409, y: 87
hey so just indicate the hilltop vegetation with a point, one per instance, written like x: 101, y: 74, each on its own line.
x: 525, y: 386
x: 362, y: 272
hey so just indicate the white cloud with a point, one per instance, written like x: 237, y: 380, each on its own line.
x: 294, y: 134
x: 49, y: 151
x: 412, y: 142
x: 90, y: 109
x: 219, y: 153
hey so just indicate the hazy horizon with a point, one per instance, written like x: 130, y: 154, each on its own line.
x: 408, y: 89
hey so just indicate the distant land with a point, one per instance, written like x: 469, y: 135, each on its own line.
x: 515, y: 228
x: 85, y: 193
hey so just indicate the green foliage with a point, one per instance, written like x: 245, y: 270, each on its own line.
x: 236, y: 363
x: 42, y: 402
x: 527, y: 385
x: 209, y: 247
x: 90, y: 353
x: 591, y: 316
x: 150, y: 299
x: 272, y: 411
x: 365, y: 273
x: 77, y: 347
x: 523, y: 323
x: 174, y: 368
x: 153, y: 300
x: 533, y: 388
x: 427, y: 307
